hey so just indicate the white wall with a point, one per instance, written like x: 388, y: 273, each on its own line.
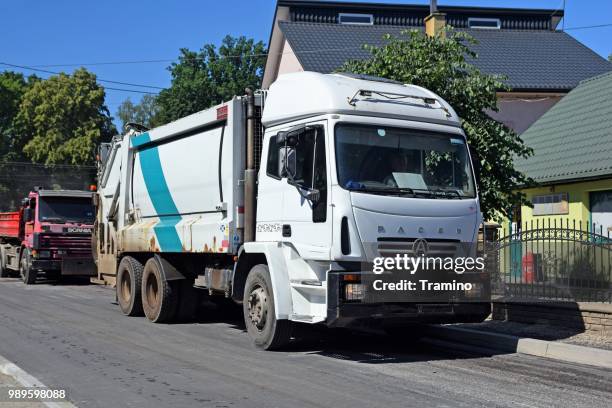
x: 521, y: 111
x: 289, y: 62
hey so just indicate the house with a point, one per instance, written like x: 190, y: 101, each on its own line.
x: 572, y: 161
x: 541, y: 63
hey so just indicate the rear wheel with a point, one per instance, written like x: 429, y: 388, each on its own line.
x: 28, y: 275
x: 129, y: 281
x: 266, y: 331
x: 159, y: 296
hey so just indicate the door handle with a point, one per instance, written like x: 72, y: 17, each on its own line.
x: 286, y: 230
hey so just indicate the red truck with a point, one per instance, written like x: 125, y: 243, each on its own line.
x: 49, y: 235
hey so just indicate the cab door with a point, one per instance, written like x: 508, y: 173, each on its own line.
x: 302, y: 155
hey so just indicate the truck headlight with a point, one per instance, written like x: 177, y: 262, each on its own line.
x: 354, y: 291
x: 475, y: 291
x: 44, y: 254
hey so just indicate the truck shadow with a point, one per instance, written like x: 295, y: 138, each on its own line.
x: 368, y: 345
x: 373, y: 347
x: 66, y: 281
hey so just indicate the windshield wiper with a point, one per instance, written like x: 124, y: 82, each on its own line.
x: 391, y: 190
x: 439, y: 193
x: 53, y: 219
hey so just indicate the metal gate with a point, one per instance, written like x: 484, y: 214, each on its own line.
x: 553, y: 260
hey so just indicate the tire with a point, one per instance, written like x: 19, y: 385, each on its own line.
x: 267, y: 332
x: 129, y: 282
x: 188, y: 301
x: 94, y: 242
x: 28, y: 276
x: 4, y: 272
x: 160, y: 298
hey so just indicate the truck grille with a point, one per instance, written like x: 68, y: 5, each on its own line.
x: 74, y: 245
x: 389, y: 247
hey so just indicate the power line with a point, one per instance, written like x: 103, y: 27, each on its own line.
x: 130, y: 90
x: 591, y: 26
x: 265, y: 54
x: 99, y: 79
x: 105, y: 63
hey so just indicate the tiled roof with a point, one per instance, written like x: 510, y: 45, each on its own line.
x: 531, y: 59
x: 573, y: 140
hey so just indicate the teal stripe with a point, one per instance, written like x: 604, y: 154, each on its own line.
x: 159, y: 193
x: 141, y: 139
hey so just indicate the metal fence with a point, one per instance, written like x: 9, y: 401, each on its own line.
x: 18, y: 179
x: 553, y: 260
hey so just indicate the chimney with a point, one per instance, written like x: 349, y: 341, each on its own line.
x: 435, y: 21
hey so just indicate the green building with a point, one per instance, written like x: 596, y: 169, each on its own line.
x: 572, y: 161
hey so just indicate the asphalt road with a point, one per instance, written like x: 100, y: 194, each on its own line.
x: 74, y: 337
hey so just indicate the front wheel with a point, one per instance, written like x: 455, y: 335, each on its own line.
x: 267, y: 332
x: 25, y: 269
x: 4, y: 272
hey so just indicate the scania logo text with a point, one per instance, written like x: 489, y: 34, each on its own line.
x: 78, y: 230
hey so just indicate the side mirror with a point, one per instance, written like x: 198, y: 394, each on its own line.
x: 27, y: 214
x: 476, y: 163
x: 289, y: 138
x: 287, y: 166
x: 313, y: 195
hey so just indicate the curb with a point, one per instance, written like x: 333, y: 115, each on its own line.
x: 28, y: 381
x: 513, y: 344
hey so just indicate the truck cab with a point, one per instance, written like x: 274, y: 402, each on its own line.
x: 355, y: 168
x: 53, y: 235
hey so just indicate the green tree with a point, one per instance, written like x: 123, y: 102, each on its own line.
x: 13, y: 86
x: 610, y: 57
x: 210, y: 76
x: 440, y: 64
x: 143, y: 112
x: 63, y: 118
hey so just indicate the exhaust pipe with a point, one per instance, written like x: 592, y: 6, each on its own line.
x: 250, y: 174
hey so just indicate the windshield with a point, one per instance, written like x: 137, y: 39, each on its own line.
x: 66, y: 209
x: 395, y: 160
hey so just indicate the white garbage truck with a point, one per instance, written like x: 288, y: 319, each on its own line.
x: 280, y: 199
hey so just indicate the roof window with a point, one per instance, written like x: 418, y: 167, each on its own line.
x: 351, y: 18
x: 486, y: 23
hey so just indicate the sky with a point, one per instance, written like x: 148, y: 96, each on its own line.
x: 61, y: 35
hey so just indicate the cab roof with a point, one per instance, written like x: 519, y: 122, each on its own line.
x: 306, y: 94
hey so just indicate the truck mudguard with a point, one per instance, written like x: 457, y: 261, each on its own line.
x: 278, y: 272
x: 168, y: 270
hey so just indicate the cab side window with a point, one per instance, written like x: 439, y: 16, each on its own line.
x: 303, y: 163
x: 273, y: 159
x: 319, y: 210
x: 311, y: 168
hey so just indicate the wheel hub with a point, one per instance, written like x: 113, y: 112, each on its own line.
x: 258, y: 307
x: 126, y: 286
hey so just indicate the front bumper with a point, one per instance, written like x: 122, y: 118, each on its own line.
x: 397, y: 314
x: 341, y: 313
x: 66, y: 266
x: 47, y: 264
